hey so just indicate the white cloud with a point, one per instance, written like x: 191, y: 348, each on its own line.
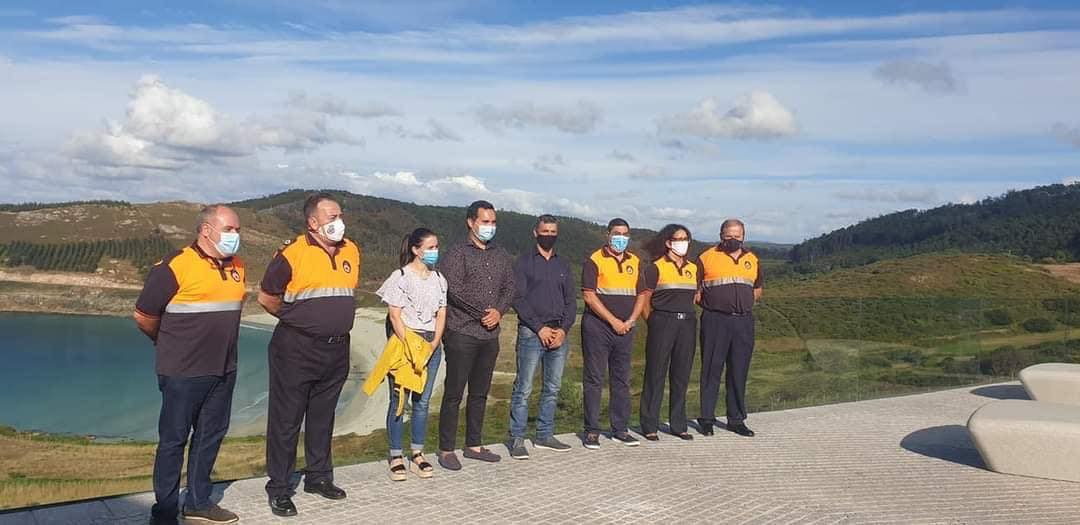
x: 436, y: 131
x: 577, y: 119
x: 923, y: 195
x: 1066, y: 134
x: 648, y: 172
x: 758, y: 115
x: 579, y: 37
x: 936, y: 78
x: 167, y: 129
x: 549, y: 163
x: 335, y: 106
x: 621, y: 156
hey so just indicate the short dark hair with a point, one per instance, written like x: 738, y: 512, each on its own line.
x: 613, y: 223
x: 474, y: 209
x: 312, y: 202
x: 545, y: 219
x: 732, y: 222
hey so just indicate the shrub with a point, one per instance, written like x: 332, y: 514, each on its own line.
x: 874, y: 361
x: 1007, y: 361
x: 1039, y: 324
x: 907, y: 355
x: 998, y: 317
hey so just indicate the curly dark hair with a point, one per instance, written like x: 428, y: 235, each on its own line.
x: 657, y: 247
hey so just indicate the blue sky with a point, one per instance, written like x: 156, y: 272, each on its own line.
x: 798, y: 118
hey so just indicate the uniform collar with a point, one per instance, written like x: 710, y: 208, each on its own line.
x: 199, y: 251
x: 685, y: 263
x: 312, y: 242
x: 744, y: 253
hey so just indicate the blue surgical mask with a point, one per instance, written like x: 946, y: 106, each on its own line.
x: 619, y: 243
x: 229, y: 243
x: 430, y: 257
x: 486, y: 232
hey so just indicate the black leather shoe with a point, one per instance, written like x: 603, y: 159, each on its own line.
x: 282, y: 506
x: 325, y: 489
x: 706, y: 429
x: 685, y: 436
x: 741, y: 429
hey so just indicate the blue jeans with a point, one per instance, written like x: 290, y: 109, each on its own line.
x: 395, y: 424
x: 530, y: 352
x: 198, y: 407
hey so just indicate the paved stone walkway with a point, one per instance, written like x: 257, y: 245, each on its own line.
x: 898, y: 460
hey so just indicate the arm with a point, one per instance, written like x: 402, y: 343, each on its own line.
x: 147, y: 324
x: 440, y: 327
x: 700, y: 281
x: 270, y: 303
x: 453, y: 269
x: 526, y: 313
x: 647, y: 281
x: 508, y: 287
x: 396, y: 323
x: 274, y: 281
x: 758, y: 285
x: 161, y: 286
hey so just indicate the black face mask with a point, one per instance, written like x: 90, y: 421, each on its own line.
x: 547, y: 242
x: 730, y: 245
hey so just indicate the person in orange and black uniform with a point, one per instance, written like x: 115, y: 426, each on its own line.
x: 190, y: 308
x: 614, y: 298
x: 730, y: 283
x: 309, y: 286
x: 671, y: 282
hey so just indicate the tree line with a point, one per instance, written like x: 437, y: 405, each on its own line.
x: 1040, y: 224
x: 84, y: 256
x: 33, y: 206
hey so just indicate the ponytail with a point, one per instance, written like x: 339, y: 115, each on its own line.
x: 410, y: 241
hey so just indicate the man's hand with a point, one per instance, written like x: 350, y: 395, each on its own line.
x: 558, y: 339
x: 620, y: 327
x: 491, y: 318
x: 547, y: 335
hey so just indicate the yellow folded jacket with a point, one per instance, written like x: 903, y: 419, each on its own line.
x: 406, y: 361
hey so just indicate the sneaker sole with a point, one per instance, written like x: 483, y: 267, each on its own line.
x: 545, y: 447
x: 519, y: 457
x: 592, y: 447
x: 201, y: 519
x: 630, y: 443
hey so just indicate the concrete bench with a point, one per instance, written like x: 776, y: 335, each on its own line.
x: 1052, y: 382
x: 1028, y: 438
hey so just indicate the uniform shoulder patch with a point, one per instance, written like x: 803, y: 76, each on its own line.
x: 286, y: 242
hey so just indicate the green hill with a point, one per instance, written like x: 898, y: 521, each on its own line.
x: 1041, y: 223
x: 123, y: 239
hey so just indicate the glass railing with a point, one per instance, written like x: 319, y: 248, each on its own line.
x: 81, y: 400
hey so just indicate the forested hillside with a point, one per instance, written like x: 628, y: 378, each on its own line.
x: 1040, y: 224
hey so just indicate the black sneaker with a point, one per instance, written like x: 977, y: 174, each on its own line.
x: 550, y: 443
x: 211, y: 514
x: 626, y: 439
x: 592, y: 441
x: 517, y: 449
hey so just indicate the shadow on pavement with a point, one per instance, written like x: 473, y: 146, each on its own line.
x: 950, y: 443
x: 1002, y: 392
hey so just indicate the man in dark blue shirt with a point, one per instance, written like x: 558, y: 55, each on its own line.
x: 546, y: 303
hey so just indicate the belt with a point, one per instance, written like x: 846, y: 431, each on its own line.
x: 675, y: 315
x: 728, y: 314
x: 553, y: 324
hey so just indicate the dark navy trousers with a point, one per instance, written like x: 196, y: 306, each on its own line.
x: 197, y: 408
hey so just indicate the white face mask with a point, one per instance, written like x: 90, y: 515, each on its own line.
x: 335, y: 231
x: 680, y: 247
x: 485, y: 232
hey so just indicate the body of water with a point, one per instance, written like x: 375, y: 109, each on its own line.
x: 95, y: 375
